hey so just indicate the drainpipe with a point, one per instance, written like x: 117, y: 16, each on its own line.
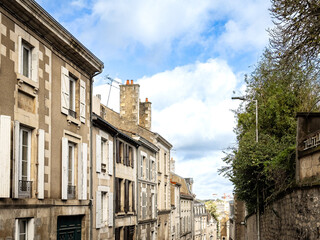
x: 137, y: 193
x: 91, y: 165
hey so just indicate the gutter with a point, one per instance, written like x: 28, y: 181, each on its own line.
x: 91, y: 164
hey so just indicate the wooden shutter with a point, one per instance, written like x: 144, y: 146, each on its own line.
x: 110, y: 158
x: 124, y: 154
x: 65, y: 90
x: 98, y: 153
x: 98, y: 209
x: 82, y: 101
x: 144, y: 204
x: 110, y: 209
x: 133, y: 196
x: 126, y: 196
x: 41, y: 142
x: 84, y: 170
x: 117, y: 151
x: 64, y: 168
x: 34, y: 64
x: 147, y: 168
x: 16, y: 139
x: 132, y: 158
x: 117, y: 193
x: 5, y: 153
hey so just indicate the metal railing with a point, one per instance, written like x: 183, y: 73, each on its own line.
x: 71, y: 194
x: 25, y: 189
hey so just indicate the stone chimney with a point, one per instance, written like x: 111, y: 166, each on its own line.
x: 129, y: 101
x: 145, y: 114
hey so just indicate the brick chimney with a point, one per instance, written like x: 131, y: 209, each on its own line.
x: 129, y: 101
x: 145, y: 114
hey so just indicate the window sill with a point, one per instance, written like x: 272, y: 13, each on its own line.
x: 71, y: 119
x: 23, y: 79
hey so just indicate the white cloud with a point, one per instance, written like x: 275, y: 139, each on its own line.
x: 192, y: 103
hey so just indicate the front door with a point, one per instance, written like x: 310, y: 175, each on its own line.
x: 69, y: 227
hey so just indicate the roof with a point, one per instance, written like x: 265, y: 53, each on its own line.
x: 184, y: 189
x: 32, y: 15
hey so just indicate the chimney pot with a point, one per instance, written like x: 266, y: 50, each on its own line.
x: 131, y: 81
x: 127, y: 82
x: 146, y: 99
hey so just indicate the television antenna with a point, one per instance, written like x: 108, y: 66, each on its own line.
x: 111, y: 80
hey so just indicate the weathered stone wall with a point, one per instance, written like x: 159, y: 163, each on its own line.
x: 294, y: 216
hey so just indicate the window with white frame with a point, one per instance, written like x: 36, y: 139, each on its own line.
x: 73, y: 89
x: 71, y: 158
x: 25, y: 185
x: 141, y: 166
x: 24, y: 229
x: 26, y: 62
x: 72, y: 97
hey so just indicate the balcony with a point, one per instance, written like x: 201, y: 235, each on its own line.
x: 71, y: 194
x: 25, y: 189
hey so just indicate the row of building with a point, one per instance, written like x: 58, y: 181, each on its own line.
x: 71, y: 168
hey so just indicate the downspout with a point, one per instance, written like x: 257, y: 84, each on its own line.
x: 91, y: 164
x: 115, y: 139
x: 137, y: 192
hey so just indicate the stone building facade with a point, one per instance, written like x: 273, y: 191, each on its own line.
x: 44, y: 126
x: 200, y: 220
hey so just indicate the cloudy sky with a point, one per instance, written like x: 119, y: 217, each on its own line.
x: 188, y: 56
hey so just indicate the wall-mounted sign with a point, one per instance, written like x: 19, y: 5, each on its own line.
x: 312, y: 142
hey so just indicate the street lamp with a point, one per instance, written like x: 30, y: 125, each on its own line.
x: 257, y: 139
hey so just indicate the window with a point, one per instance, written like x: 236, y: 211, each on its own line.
x: 24, y: 229
x: 72, y: 99
x: 73, y: 89
x: 71, y: 187
x: 25, y: 184
x: 104, y: 149
x: 25, y: 59
x: 102, y: 208
x: 165, y: 163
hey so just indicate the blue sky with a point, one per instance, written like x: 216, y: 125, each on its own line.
x: 188, y: 57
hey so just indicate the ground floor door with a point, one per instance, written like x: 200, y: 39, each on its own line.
x: 69, y: 227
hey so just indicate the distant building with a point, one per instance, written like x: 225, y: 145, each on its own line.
x: 200, y: 220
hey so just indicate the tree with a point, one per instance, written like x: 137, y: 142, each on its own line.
x: 296, y: 36
x: 261, y: 170
x: 211, y: 207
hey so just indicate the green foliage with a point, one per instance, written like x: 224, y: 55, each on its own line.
x: 211, y: 207
x: 260, y: 170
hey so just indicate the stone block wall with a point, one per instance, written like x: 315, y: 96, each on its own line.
x: 294, y: 216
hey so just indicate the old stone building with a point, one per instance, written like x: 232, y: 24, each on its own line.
x: 46, y: 77
x: 200, y: 220
x: 103, y: 137
x: 175, y: 210
x: 186, y: 206
x: 147, y: 190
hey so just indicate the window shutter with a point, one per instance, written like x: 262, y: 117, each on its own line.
x: 147, y: 168
x: 144, y: 205
x: 5, y: 153
x: 124, y: 154
x: 133, y: 196
x: 34, y: 65
x: 110, y: 158
x: 132, y: 158
x: 98, y: 209
x: 117, y: 151
x: 84, y: 170
x: 110, y: 209
x: 82, y: 101
x: 126, y: 206
x: 98, y: 153
x: 64, y: 167
x: 127, y: 156
x: 41, y: 164
x: 117, y: 194
x: 16, y: 140
x: 64, y: 90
